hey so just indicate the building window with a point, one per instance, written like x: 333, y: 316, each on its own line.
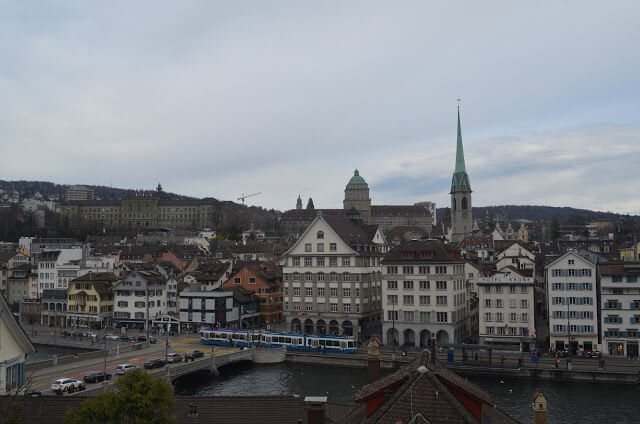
x: 346, y: 261
x: 320, y: 235
x: 392, y: 270
x: 236, y: 280
x: 296, y: 261
x: 321, y: 276
x: 252, y: 280
x: 408, y: 316
x: 296, y: 276
x: 307, y: 247
x: 308, y: 261
x: 392, y: 315
x: 333, y: 247
x: 442, y: 317
x: 320, y: 247
x: 346, y: 292
x: 407, y: 300
x: 333, y: 291
x: 423, y: 270
x: 321, y: 307
x: 425, y: 300
x: 296, y: 307
x: 346, y: 276
x: 441, y: 300
x: 309, y: 291
x: 320, y: 261
x: 334, y: 307
x: 525, y: 317
x: 333, y: 262
x: 524, y: 303
x: 408, y: 285
x: 487, y: 316
x: 499, y: 303
x: 346, y: 307
x: 320, y: 291
x: 425, y: 285
x: 407, y: 270
x: 308, y: 276
x: 392, y: 285
x: 513, y: 317
x: 499, y: 317
x: 334, y: 276
x: 296, y: 291
x: 392, y: 299
x: 441, y: 285
x: 441, y: 269
x: 308, y: 307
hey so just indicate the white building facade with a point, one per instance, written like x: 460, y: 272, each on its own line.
x: 506, y: 310
x: 139, y: 299
x: 572, y: 299
x: 424, y: 294
x: 620, y: 302
x: 332, y: 279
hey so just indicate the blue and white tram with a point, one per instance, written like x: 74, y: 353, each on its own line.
x: 292, y: 341
x: 226, y: 337
x: 331, y: 344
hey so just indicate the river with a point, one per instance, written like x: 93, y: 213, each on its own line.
x: 568, y: 402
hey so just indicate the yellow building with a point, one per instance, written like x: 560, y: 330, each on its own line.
x: 142, y: 212
x: 627, y: 254
x: 90, y: 300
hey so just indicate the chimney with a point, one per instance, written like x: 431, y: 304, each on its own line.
x: 373, y: 359
x: 315, y: 409
x: 539, y: 408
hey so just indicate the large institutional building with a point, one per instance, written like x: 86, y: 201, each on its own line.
x: 142, y: 212
x: 358, y: 208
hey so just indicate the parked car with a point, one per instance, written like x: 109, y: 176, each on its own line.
x: 174, y: 357
x: 125, y: 368
x: 193, y: 354
x: 142, y: 338
x: 152, y: 340
x: 154, y: 363
x: 96, y: 376
x: 32, y: 393
x: 67, y: 384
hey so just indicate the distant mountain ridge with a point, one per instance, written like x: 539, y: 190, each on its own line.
x: 541, y: 213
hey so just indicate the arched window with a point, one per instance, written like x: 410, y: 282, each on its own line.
x: 464, y: 203
x: 454, y: 205
x: 320, y: 235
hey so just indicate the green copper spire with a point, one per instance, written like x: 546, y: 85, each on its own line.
x: 460, y: 178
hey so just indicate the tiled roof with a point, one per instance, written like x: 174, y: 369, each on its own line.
x: 620, y: 269
x: 192, y: 409
x: 349, y: 232
x: 423, y: 251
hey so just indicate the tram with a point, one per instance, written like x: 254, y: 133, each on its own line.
x: 268, y: 339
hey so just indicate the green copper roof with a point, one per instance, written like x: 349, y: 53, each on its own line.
x: 356, y: 179
x: 460, y: 178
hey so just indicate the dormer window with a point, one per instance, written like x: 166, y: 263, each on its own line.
x: 320, y: 235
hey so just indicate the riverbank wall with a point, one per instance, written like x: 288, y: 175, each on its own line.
x: 389, y: 361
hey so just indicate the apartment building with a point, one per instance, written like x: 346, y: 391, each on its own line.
x: 264, y: 282
x: 332, y: 278
x: 506, y: 310
x: 620, y: 302
x: 90, y: 300
x: 206, y: 309
x: 424, y: 294
x: 516, y: 255
x: 572, y: 302
x: 139, y: 298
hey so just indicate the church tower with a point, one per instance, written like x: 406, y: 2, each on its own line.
x: 356, y: 195
x: 299, y: 202
x: 461, y: 215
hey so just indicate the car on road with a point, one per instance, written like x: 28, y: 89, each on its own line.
x: 174, y: 357
x: 32, y: 393
x: 143, y: 338
x: 67, y: 384
x: 155, y: 363
x: 125, y: 368
x: 126, y: 338
x: 193, y: 354
x: 112, y: 337
x: 96, y: 376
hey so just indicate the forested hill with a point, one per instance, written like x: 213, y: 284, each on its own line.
x: 56, y: 191
x: 542, y: 213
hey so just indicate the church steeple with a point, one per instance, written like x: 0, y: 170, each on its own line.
x: 299, y: 202
x: 460, y: 178
x: 461, y: 210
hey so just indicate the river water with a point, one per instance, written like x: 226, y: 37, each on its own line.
x: 568, y: 402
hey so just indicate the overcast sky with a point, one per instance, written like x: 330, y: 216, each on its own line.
x: 220, y: 98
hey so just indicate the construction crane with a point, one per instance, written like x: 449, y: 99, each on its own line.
x: 248, y: 195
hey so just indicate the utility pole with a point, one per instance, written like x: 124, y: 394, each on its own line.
x: 569, y: 333
x: 393, y: 323
x: 105, y: 382
x: 146, y: 322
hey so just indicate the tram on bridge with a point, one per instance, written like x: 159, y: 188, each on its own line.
x: 268, y: 339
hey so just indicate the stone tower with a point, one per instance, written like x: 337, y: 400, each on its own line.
x: 356, y: 195
x: 461, y: 216
x: 299, y: 202
x: 539, y: 408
